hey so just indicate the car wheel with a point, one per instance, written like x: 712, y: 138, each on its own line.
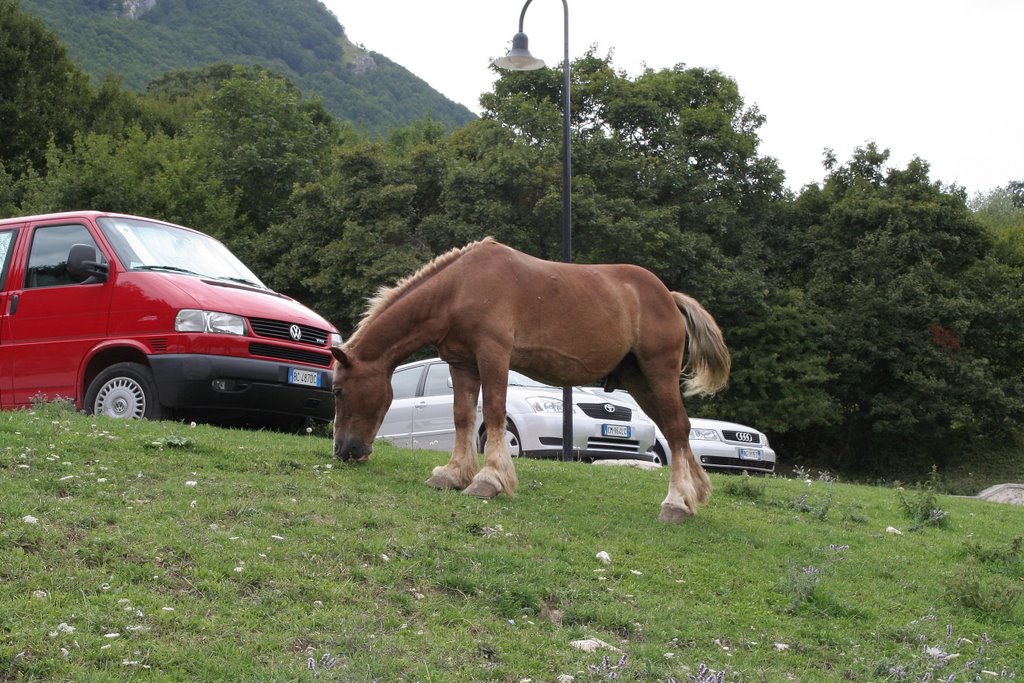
x: 124, y: 391
x: 512, y: 442
x: 659, y: 455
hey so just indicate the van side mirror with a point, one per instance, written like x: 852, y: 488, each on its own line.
x: 82, y: 263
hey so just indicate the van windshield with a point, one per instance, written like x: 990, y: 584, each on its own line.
x: 148, y: 245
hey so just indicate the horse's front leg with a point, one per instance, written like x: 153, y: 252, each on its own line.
x: 497, y: 474
x: 462, y: 466
x: 689, y: 484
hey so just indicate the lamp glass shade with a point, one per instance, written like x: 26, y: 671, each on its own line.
x: 519, y: 57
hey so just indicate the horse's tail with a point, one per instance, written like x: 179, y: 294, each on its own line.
x: 707, y: 365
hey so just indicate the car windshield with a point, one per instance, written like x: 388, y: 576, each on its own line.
x: 148, y: 245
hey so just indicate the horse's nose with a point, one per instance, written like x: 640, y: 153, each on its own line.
x: 351, y: 448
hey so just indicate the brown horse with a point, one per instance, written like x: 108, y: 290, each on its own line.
x: 489, y: 308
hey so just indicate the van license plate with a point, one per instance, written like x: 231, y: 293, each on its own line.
x: 307, y: 378
x: 619, y: 431
x: 750, y: 454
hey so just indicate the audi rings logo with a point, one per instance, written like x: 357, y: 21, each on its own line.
x: 296, y: 332
x: 744, y: 436
x: 609, y: 408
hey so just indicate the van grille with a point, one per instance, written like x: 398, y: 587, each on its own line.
x: 286, y: 353
x: 278, y: 329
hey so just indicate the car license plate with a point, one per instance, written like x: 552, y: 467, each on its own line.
x: 307, y: 378
x: 750, y: 454
x: 619, y: 431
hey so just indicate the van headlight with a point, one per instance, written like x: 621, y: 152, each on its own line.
x: 704, y: 435
x: 334, y: 340
x: 194, y: 320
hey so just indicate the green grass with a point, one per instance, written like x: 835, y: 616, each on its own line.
x: 163, y: 552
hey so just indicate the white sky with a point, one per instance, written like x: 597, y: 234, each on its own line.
x: 938, y: 79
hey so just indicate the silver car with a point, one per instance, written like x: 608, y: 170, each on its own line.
x: 604, y: 427
x: 718, y: 445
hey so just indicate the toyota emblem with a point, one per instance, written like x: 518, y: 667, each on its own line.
x: 609, y: 408
x: 296, y: 332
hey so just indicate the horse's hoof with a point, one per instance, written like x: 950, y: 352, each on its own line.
x: 673, y: 514
x: 438, y: 481
x: 482, y: 489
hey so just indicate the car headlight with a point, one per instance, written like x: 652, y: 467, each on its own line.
x: 334, y: 338
x: 704, y: 434
x: 193, y: 320
x: 544, y: 404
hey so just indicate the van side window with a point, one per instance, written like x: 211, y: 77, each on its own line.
x: 6, y: 242
x: 48, y: 257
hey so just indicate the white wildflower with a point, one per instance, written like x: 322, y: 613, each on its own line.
x: 604, y: 557
x: 893, y: 530
x: 29, y: 519
x: 62, y: 628
x: 191, y: 482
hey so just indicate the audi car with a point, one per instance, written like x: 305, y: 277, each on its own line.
x: 604, y: 427
x: 718, y: 445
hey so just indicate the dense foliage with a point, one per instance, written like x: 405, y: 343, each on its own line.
x: 300, y: 39
x: 874, y: 318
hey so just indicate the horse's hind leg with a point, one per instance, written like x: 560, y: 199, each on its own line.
x: 462, y: 466
x: 688, y: 483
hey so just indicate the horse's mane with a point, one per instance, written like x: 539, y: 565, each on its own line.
x: 385, y: 296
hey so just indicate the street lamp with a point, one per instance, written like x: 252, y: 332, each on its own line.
x: 520, y: 59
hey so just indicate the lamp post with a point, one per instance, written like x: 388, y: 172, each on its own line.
x: 520, y: 59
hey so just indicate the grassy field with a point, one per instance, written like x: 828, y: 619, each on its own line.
x: 163, y: 552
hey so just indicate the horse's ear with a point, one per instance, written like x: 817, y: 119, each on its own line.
x: 340, y: 356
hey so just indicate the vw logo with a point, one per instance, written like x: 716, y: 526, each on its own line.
x: 296, y: 332
x: 744, y: 436
x: 609, y: 408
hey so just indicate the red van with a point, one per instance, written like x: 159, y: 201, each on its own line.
x: 134, y: 317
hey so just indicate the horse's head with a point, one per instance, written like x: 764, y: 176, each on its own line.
x: 362, y: 394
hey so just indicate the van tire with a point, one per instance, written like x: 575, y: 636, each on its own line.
x: 124, y: 390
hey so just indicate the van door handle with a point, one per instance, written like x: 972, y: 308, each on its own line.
x: 14, y: 303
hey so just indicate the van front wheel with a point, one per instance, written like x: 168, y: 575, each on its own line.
x: 124, y: 390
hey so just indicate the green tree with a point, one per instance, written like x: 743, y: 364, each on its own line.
x: 1001, y: 211
x: 135, y: 173
x: 350, y: 232
x: 43, y: 95
x: 261, y: 139
x: 920, y: 361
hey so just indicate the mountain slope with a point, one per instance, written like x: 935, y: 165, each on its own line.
x: 141, y: 40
